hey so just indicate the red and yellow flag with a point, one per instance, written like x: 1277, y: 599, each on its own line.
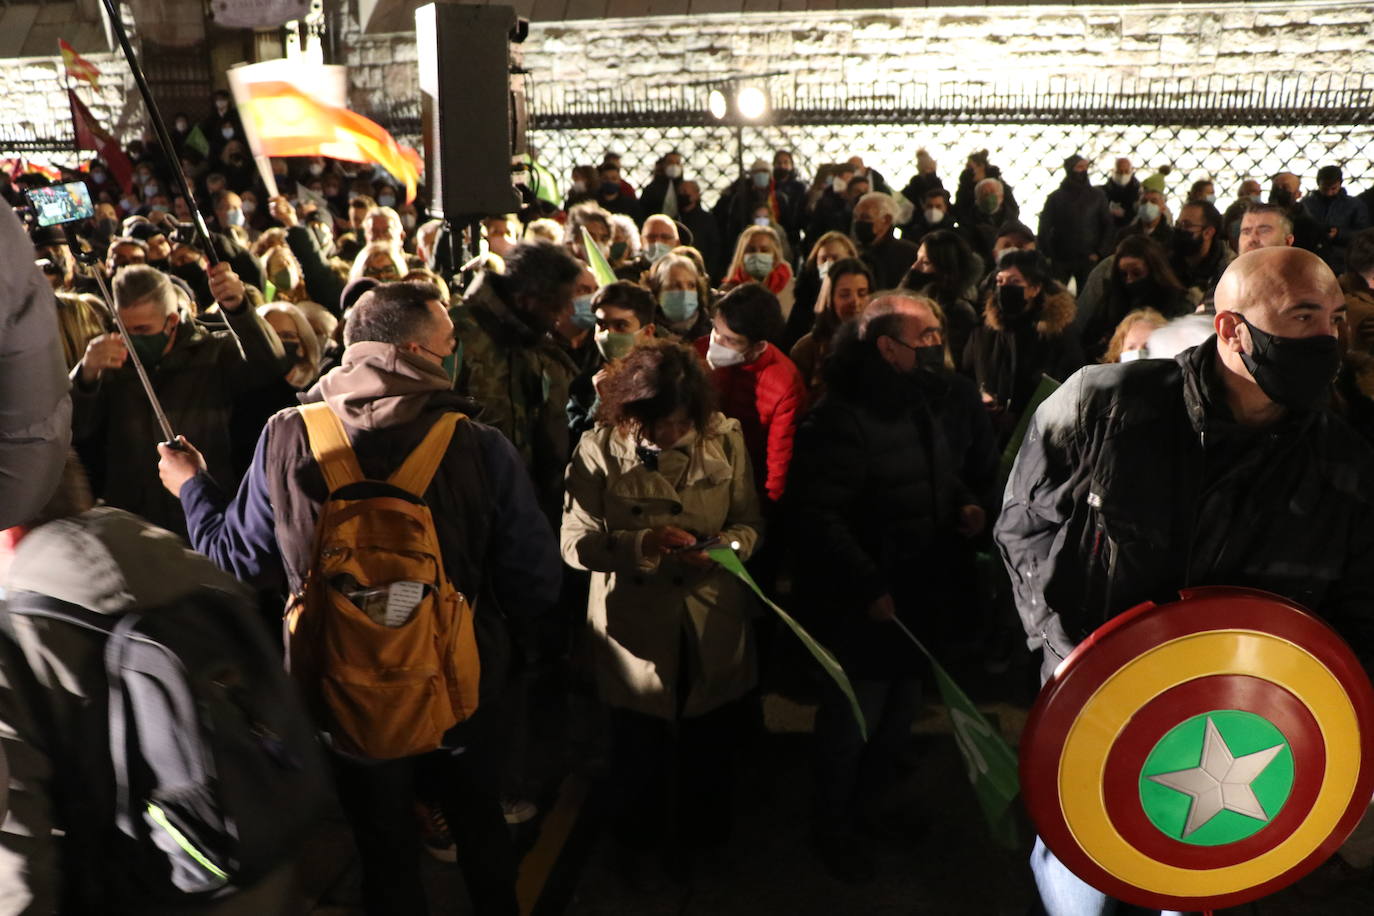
x: 285, y: 121
x: 77, y: 66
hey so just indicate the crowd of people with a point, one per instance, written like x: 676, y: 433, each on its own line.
x: 821, y: 374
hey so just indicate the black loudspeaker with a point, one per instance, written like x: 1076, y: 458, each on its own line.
x: 473, y: 108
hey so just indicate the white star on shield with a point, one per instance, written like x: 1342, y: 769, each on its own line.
x: 1221, y: 782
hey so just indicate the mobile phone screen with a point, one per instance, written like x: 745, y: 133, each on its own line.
x: 61, y: 203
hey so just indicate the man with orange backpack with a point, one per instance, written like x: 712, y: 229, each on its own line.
x: 406, y: 533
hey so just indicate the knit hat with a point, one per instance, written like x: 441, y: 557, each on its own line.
x: 1154, y: 183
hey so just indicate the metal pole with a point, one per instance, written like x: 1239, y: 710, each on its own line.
x: 164, y: 138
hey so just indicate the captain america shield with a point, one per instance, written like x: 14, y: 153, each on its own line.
x: 1203, y: 753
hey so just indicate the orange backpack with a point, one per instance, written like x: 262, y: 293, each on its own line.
x: 378, y: 637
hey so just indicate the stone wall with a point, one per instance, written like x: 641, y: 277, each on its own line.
x: 1003, y: 47
x: 34, y: 103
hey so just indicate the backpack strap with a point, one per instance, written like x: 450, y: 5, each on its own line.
x: 330, y: 446
x: 418, y: 470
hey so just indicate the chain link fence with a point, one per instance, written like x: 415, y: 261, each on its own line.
x: 1222, y: 129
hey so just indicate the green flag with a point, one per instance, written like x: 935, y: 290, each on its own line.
x: 730, y: 561
x: 991, y: 763
x: 601, y: 269
x: 196, y: 140
x: 545, y: 185
x: 1047, y: 387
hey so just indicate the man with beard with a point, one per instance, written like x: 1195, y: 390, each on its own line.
x: 1200, y: 254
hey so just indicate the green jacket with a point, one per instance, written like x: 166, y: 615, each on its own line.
x: 522, y: 380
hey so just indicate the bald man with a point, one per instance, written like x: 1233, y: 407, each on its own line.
x: 1220, y: 467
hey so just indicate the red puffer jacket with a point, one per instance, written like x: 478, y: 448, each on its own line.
x: 767, y: 397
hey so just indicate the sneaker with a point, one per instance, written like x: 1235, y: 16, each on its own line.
x: 435, y: 833
x: 518, y: 810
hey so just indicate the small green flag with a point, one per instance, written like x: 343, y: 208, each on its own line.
x: 601, y: 269
x: 545, y: 185
x: 196, y: 140
x: 1047, y: 387
x: 730, y: 561
x: 991, y: 763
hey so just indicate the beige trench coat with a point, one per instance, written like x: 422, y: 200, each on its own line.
x: 640, y: 610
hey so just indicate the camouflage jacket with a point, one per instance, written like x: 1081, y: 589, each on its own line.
x: 522, y: 380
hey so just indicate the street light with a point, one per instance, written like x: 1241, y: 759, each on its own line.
x: 716, y: 104
x: 751, y: 103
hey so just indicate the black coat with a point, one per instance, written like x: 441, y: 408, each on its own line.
x: 1075, y: 223
x: 1135, y: 482
x: 889, y: 259
x: 873, y: 497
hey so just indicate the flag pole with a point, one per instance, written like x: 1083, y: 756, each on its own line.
x: 164, y: 138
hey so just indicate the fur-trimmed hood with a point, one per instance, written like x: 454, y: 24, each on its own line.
x: 1055, y: 314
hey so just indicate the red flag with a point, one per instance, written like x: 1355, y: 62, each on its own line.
x: 90, y: 135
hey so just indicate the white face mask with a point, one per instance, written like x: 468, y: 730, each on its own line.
x: 933, y: 216
x: 674, y: 172
x: 838, y: 184
x: 1130, y: 356
x: 762, y: 221
x: 1122, y: 178
x: 719, y: 356
x: 823, y: 268
x: 1149, y: 211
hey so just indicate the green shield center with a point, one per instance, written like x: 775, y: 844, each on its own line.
x: 1217, y: 778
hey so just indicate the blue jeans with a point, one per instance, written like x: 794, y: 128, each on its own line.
x: 1062, y: 893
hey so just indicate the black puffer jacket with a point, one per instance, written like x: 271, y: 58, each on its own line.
x: 1076, y: 222
x: 1134, y: 482
x: 873, y: 496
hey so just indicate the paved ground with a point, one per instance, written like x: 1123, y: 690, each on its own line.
x: 769, y: 868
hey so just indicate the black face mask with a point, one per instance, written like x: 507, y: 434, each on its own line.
x: 1280, y: 197
x: 1079, y: 177
x: 864, y: 232
x: 292, y: 349
x: 1293, y: 371
x: 782, y: 174
x: 685, y: 204
x: 1186, y: 243
x: 610, y: 189
x: 1141, y: 292
x: 931, y: 359
x: 1011, y: 300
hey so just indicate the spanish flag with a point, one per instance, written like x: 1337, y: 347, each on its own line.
x: 282, y: 118
x: 77, y: 66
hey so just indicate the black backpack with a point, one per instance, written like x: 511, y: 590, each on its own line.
x: 218, y: 776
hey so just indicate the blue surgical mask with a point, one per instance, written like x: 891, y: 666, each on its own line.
x: 235, y: 217
x: 761, y: 179
x: 680, y: 305
x: 1149, y: 212
x: 657, y: 250
x: 582, y: 317
x: 386, y: 200
x: 758, y: 264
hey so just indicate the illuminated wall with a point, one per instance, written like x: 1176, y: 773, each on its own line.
x: 1000, y: 46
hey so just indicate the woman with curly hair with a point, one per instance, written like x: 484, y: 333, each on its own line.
x: 671, y: 630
